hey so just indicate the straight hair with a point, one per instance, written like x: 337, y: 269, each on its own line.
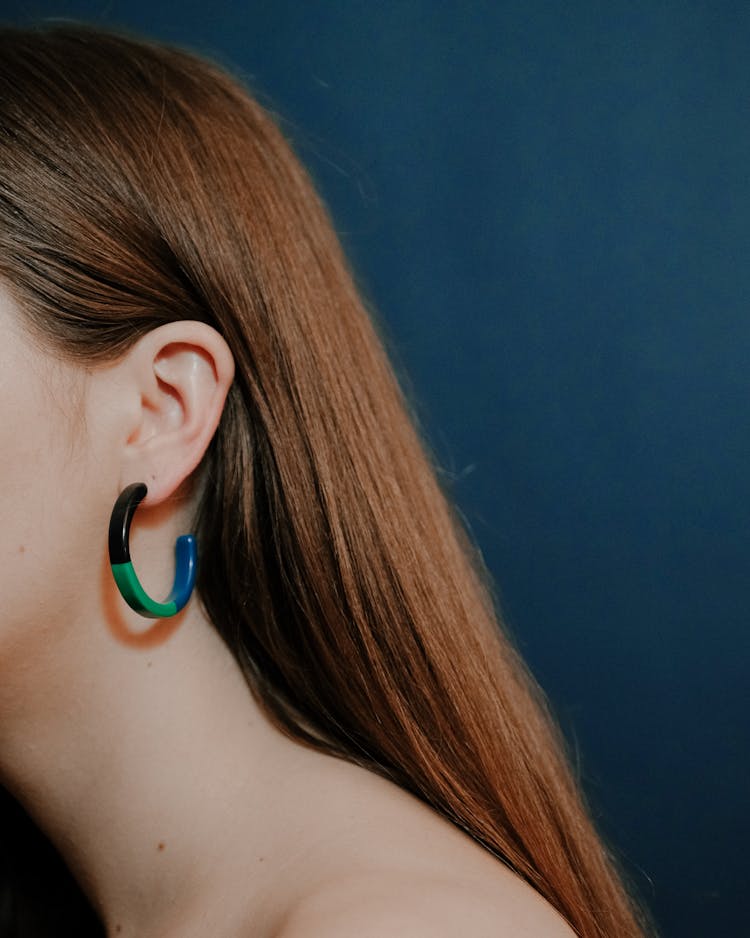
x: 142, y: 183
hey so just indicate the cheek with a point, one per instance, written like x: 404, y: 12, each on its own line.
x: 37, y: 503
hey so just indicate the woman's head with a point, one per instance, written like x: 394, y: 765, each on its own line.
x: 142, y: 188
x: 152, y: 211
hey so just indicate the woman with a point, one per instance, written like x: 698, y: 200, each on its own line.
x: 323, y: 730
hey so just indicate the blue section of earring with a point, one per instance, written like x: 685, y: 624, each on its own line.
x: 186, y: 563
x: 186, y: 560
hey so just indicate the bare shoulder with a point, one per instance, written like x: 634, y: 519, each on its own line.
x: 422, y: 907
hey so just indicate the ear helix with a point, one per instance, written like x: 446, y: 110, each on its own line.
x: 122, y: 568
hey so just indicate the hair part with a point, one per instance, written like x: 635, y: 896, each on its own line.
x: 142, y: 183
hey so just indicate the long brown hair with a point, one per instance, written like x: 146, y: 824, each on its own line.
x: 142, y: 183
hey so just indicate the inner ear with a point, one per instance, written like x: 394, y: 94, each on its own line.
x: 169, y: 389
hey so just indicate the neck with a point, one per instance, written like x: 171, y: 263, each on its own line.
x: 172, y: 799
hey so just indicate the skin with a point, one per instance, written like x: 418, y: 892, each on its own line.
x: 135, y: 743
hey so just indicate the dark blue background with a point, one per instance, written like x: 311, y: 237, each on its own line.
x: 549, y: 205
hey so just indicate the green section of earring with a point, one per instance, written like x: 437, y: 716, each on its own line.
x: 135, y: 596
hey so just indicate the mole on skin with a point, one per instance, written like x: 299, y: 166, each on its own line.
x: 161, y: 846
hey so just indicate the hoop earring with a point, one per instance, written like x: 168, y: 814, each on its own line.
x: 122, y: 568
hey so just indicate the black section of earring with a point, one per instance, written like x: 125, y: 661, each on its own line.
x: 119, y: 524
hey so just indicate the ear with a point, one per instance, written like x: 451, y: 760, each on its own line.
x: 177, y: 377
